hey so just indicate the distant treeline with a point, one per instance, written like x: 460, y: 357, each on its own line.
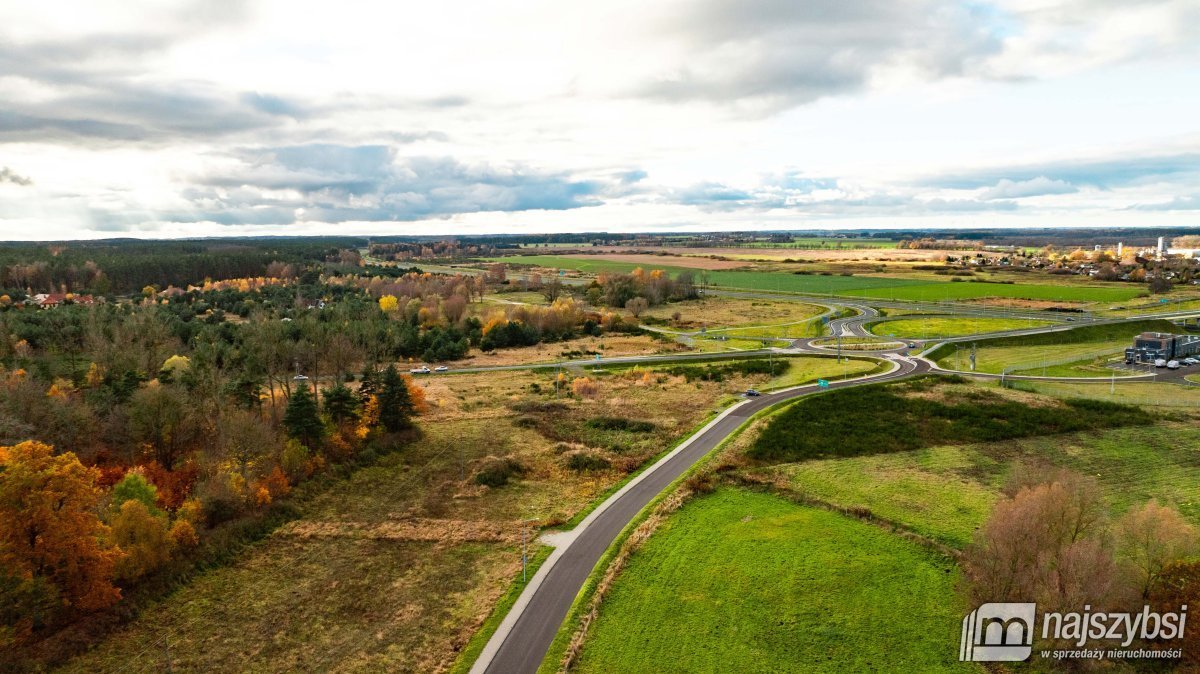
x: 126, y: 266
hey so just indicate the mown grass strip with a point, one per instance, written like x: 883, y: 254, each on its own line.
x: 475, y: 646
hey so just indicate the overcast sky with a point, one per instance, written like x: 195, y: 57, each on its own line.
x: 165, y: 118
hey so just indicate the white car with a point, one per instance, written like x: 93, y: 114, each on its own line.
x: 424, y: 369
x: 1172, y: 365
x: 1159, y: 362
x: 441, y: 368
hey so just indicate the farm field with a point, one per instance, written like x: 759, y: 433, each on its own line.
x: 810, y: 255
x: 651, y: 261
x: 967, y: 290
x: 939, y: 326
x: 880, y: 287
x: 773, y: 586
x: 822, y: 243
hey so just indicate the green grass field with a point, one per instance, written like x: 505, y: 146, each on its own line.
x: 1142, y: 392
x: 1025, y: 291
x: 855, y: 286
x: 939, y: 326
x: 808, y: 370
x: 822, y: 243
x: 739, y: 581
x: 1084, y: 367
x: 946, y: 492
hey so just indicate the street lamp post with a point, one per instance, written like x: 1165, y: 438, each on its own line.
x: 524, y: 548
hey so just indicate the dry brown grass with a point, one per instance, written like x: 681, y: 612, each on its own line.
x: 1021, y: 304
x: 653, y: 261
x: 609, y: 345
x: 396, y: 567
x: 414, y: 529
x: 740, y: 255
x: 733, y: 311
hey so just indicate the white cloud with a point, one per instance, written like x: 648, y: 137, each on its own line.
x: 1034, y: 187
x: 200, y: 117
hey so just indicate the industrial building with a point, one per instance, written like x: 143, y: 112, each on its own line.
x: 1151, y: 346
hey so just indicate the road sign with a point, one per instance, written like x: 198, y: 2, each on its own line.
x: 823, y: 383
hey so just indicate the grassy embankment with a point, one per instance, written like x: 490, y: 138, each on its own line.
x: 1075, y: 352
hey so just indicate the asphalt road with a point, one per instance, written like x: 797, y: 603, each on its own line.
x: 522, y: 648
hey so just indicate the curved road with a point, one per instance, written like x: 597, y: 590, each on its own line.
x: 522, y: 640
x: 524, y: 637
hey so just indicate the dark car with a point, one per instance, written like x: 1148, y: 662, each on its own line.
x: 751, y: 393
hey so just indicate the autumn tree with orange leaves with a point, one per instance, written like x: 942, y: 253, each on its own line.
x: 55, y: 553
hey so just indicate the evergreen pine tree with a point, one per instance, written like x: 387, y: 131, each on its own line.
x: 395, y: 404
x: 340, y: 404
x: 302, y: 419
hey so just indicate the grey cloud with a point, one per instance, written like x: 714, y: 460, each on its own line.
x: 1100, y: 173
x: 8, y: 175
x: 792, y: 192
x: 1034, y: 187
x: 114, y: 110
x: 709, y: 193
x: 779, y: 53
x: 1185, y: 203
x: 337, y: 183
